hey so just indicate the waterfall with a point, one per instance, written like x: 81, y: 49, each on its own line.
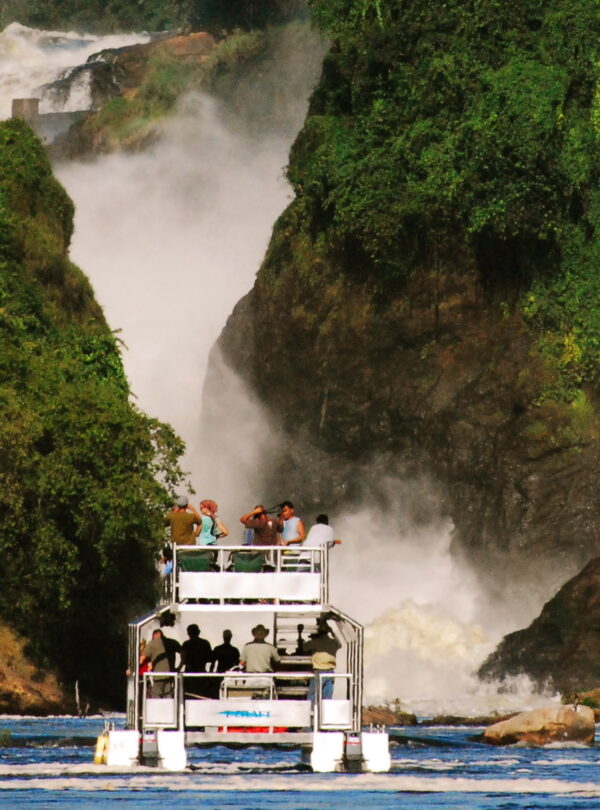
x: 171, y: 239
x: 30, y: 58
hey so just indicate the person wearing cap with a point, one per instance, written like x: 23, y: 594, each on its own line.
x: 184, y: 522
x: 258, y: 655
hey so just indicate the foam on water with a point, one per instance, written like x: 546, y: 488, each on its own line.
x: 76, y: 778
x: 429, y: 623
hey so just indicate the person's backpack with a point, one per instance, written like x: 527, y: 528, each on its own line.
x: 214, y: 530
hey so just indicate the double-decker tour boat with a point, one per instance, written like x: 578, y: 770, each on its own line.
x: 234, y: 588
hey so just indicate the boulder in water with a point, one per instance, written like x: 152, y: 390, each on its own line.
x: 543, y: 726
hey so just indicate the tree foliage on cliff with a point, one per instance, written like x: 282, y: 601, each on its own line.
x: 462, y: 128
x: 215, y: 16
x: 80, y: 505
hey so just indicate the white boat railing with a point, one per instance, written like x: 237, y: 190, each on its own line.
x: 230, y: 574
x: 242, y: 701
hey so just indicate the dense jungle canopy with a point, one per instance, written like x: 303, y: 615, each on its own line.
x: 464, y: 128
x: 80, y: 504
x: 215, y: 16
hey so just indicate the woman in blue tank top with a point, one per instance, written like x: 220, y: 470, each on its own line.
x: 212, y: 528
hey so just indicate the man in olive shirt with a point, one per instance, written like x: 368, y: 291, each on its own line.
x: 181, y: 520
x: 160, y: 652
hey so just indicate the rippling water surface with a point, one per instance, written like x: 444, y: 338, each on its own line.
x: 47, y: 763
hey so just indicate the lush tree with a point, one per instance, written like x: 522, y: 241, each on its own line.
x: 84, y: 475
x: 463, y: 128
x: 216, y: 16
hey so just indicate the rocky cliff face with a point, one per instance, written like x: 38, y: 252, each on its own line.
x: 24, y: 688
x: 422, y: 300
x: 437, y: 381
x: 561, y: 648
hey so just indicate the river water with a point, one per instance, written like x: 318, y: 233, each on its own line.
x: 49, y: 763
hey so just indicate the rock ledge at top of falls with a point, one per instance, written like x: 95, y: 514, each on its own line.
x: 129, y: 63
x: 113, y: 72
x: 544, y: 726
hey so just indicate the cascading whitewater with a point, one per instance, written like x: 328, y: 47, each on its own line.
x: 429, y: 624
x: 30, y: 58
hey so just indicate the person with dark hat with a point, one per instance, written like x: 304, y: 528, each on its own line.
x: 258, y: 655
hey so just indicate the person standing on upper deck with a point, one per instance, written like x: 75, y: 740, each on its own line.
x: 291, y: 527
x: 266, y: 529
x: 184, y: 522
x: 212, y: 528
x: 321, y: 534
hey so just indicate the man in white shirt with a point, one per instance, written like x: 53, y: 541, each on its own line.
x: 321, y: 534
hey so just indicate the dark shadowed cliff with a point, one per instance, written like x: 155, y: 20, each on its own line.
x: 429, y: 299
x: 562, y: 646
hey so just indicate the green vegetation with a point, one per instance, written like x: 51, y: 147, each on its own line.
x: 244, y: 71
x: 216, y: 16
x: 168, y: 77
x: 80, y: 502
x: 464, y: 133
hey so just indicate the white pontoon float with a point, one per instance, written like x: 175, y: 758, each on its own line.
x: 234, y: 587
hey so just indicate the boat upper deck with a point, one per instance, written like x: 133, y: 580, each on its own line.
x: 231, y: 577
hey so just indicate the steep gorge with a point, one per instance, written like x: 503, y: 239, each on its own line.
x: 428, y: 300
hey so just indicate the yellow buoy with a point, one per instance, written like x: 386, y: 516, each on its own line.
x: 101, y: 749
